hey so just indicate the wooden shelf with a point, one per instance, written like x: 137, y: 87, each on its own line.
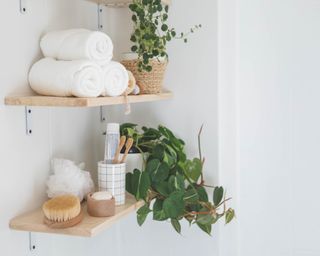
x: 89, y: 227
x: 121, y: 3
x: 47, y: 101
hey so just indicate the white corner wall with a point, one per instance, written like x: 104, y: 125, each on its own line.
x: 270, y: 105
x: 75, y: 133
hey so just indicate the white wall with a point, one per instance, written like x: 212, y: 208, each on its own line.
x: 75, y: 133
x: 275, y: 112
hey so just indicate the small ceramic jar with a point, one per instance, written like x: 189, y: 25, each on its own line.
x: 101, y: 208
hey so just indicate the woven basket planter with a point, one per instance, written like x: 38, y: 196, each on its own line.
x: 149, y: 82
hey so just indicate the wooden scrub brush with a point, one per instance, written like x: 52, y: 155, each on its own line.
x: 62, y: 211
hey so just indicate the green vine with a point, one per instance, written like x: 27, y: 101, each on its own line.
x: 151, y: 31
x: 171, y: 185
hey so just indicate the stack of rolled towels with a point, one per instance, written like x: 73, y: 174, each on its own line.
x: 78, y: 62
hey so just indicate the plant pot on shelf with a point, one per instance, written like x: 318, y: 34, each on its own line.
x: 134, y: 160
x: 149, y: 82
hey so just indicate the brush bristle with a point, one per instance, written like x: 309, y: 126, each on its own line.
x: 62, y: 208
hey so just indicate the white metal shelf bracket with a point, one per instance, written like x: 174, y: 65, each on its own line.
x: 23, y: 6
x: 28, y: 117
x: 102, y: 115
x: 100, y: 14
x: 32, y: 242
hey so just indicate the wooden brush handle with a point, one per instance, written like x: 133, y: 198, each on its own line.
x: 128, y: 147
x: 120, y: 146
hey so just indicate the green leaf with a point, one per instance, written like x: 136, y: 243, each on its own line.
x: 205, y: 228
x: 129, y: 187
x: 230, y: 214
x: 163, y: 188
x: 142, y: 214
x: 158, y: 152
x: 166, y: 8
x: 173, y: 206
x: 205, y: 219
x: 218, y: 195
x: 164, y: 27
x: 140, y: 184
x: 193, y: 169
x: 176, y: 224
x: 152, y: 165
x: 134, y: 48
x: 158, y: 212
x: 203, y: 195
x: 176, y: 182
x: 158, y: 171
x: 191, y: 196
x: 133, y: 38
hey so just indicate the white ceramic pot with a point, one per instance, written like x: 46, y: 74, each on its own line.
x: 134, y: 161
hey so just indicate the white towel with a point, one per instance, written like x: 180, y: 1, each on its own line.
x: 78, y: 78
x: 76, y: 44
x: 115, y: 79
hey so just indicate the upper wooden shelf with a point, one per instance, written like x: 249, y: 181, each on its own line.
x: 121, y: 3
x: 89, y: 227
x: 48, y: 101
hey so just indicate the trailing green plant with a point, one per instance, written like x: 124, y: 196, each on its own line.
x: 152, y: 32
x: 173, y: 186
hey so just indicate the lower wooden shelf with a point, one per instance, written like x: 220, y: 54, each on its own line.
x: 89, y: 227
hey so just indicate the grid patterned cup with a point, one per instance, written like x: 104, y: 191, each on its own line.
x: 112, y: 178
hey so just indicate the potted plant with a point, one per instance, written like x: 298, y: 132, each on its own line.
x: 150, y: 37
x: 144, y: 142
x: 173, y: 187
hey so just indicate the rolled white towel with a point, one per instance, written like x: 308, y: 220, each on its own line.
x: 115, y: 79
x: 76, y: 44
x: 78, y: 78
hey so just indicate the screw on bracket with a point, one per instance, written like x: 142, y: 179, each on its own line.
x: 23, y: 6
x: 28, y: 117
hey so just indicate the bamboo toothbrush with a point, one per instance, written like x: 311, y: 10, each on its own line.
x: 120, y: 146
x: 128, y: 147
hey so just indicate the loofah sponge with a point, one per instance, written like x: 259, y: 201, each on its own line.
x: 62, y: 208
x: 69, y: 179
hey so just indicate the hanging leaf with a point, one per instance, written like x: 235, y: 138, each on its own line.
x: 176, y: 182
x: 158, y: 212
x: 163, y: 188
x: 205, y: 228
x: 176, y: 224
x: 129, y: 183
x: 173, y: 206
x: 230, y: 214
x: 142, y: 214
x: 218, y: 195
x: 191, y: 196
x: 140, y: 184
x: 203, y: 195
x: 193, y: 169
